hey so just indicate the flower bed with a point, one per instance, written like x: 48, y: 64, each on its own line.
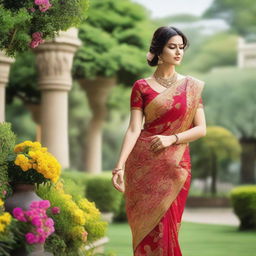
x: 62, y: 224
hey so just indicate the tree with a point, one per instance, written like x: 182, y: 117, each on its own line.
x: 230, y: 102
x: 239, y: 14
x: 216, y: 50
x: 217, y: 146
x: 115, y: 41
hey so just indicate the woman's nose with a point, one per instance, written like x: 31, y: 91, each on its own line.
x: 178, y: 51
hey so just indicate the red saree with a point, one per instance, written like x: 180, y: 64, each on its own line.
x: 157, y: 183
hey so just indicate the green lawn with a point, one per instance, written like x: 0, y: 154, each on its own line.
x: 195, y: 240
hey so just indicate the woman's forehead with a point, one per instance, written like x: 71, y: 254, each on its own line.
x: 175, y: 40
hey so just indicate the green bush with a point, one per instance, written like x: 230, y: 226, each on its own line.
x: 75, y: 182
x: 101, y: 191
x: 7, y: 143
x: 121, y: 216
x: 243, y: 199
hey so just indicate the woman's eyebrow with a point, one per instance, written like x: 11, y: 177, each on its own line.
x: 176, y: 44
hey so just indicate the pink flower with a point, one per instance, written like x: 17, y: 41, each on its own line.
x: 32, y: 9
x: 34, y: 204
x: 37, y: 222
x: 44, y: 5
x: 37, y: 35
x: 49, y: 222
x: 55, y: 210
x: 31, y: 238
x: 36, y: 39
x: 4, y: 192
x: 45, y: 204
x: 41, y: 239
x: 40, y: 231
x: 19, y: 214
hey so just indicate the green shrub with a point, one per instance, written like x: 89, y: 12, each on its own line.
x: 121, y: 216
x: 7, y: 143
x: 243, y: 199
x: 74, y: 182
x: 101, y: 191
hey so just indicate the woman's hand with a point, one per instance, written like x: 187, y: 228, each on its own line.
x: 161, y: 141
x: 118, y: 180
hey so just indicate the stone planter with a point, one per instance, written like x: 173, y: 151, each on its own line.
x: 97, y: 246
x: 23, y: 195
x: 107, y: 216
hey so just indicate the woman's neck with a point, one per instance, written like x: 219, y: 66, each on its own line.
x: 165, y: 71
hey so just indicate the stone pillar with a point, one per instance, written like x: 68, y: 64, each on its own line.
x: 246, y: 54
x: 97, y: 91
x: 5, y: 63
x: 34, y: 109
x: 54, y: 61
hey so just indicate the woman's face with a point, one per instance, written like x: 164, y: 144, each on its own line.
x: 173, y: 51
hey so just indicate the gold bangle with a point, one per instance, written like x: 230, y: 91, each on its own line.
x: 117, y: 170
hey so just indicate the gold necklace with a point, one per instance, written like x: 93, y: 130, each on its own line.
x: 166, y: 82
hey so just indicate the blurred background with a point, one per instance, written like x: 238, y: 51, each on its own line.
x: 220, y: 216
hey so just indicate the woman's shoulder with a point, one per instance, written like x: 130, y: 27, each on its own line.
x: 196, y: 80
x: 140, y: 83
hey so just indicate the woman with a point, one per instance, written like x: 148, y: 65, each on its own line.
x: 157, y: 173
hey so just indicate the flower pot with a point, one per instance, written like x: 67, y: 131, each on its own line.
x: 23, y: 195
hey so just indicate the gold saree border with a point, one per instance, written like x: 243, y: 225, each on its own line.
x: 154, y: 109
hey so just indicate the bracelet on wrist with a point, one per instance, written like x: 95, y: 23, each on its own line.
x: 177, y: 138
x: 117, y: 170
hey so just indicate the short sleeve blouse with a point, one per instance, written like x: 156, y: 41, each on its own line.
x: 136, y: 100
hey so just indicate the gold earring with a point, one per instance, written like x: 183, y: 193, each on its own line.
x: 160, y: 61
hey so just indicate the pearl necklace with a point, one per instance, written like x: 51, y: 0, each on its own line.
x: 166, y: 82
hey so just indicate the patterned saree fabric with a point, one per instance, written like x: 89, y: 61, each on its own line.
x: 157, y: 183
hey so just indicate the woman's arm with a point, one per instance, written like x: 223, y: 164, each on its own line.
x: 198, y: 131
x: 131, y: 136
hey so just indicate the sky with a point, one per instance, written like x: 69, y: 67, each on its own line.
x: 162, y: 8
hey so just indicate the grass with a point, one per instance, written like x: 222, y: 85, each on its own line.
x: 195, y: 240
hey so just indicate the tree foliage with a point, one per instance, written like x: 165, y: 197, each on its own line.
x: 115, y: 41
x: 230, y: 100
x: 239, y: 14
x: 217, y: 147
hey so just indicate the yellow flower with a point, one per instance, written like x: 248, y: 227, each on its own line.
x: 39, y: 159
x: 1, y: 202
x: 5, y: 220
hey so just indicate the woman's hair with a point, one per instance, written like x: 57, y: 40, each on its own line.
x: 160, y: 38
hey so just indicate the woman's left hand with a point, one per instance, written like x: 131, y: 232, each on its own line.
x: 161, y: 141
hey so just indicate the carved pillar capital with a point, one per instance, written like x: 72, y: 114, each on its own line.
x: 54, y: 61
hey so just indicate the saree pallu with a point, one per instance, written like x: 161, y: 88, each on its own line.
x: 157, y: 183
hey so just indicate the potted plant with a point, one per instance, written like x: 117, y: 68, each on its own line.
x: 29, y: 164
x: 26, y: 24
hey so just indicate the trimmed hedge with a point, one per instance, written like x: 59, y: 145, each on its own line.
x: 101, y: 191
x: 243, y: 199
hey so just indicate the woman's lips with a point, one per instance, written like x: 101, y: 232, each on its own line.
x: 177, y: 58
